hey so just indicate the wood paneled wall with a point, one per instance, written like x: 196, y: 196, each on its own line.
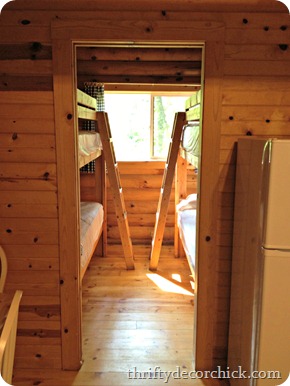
x: 256, y: 100
x: 141, y: 182
x: 115, y: 66
x: 29, y: 222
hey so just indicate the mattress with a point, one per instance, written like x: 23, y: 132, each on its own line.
x: 186, y: 220
x: 89, y: 142
x: 92, y: 216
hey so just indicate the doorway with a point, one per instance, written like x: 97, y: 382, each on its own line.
x: 65, y: 40
x: 144, y: 71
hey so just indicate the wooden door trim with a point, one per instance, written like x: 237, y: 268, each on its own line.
x: 66, y: 35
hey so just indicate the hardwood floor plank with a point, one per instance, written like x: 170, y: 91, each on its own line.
x: 92, y: 313
x: 139, y: 334
x: 126, y: 366
x: 110, y: 378
x: 120, y: 343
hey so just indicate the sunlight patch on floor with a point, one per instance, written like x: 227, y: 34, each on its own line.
x: 176, y: 277
x: 166, y: 285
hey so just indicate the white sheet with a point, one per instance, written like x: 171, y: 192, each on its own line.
x: 190, y: 142
x: 89, y: 142
x: 92, y: 216
x: 186, y: 221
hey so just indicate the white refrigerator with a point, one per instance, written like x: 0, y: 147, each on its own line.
x: 259, y: 331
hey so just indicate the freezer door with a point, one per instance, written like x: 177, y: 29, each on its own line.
x: 276, y: 213
x: 273, y: 340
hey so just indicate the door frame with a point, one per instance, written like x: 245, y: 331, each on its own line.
x: 66, y: 35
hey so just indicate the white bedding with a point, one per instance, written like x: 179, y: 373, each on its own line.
x: 92, y: 216
x: 186, y: 217
x: 190, y: 142
x: 89, y: 142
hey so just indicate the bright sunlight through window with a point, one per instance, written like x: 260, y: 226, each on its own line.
x: 141, y: 123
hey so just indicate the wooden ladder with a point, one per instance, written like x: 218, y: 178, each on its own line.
x: 115, y: 183
x: 166, y: 189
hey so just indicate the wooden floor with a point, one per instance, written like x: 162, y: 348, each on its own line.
x: 132, y: 329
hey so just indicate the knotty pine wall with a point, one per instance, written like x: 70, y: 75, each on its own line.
x: 141, y: 184
x: 29, y: 222
x: 256, y: 99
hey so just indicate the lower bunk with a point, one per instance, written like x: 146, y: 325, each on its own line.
x: 91, y: 228
x: 186, y: 222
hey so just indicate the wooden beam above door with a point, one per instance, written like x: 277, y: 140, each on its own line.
x: 140, y: 65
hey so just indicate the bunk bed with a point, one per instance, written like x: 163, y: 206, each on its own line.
x: 91, y: 226
x: 186, y: 208
x: 189, y: 148
x: 186, y: 222
x: 92, y: 185
x: 90, y: 147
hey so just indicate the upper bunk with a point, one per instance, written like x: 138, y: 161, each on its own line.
x: 89, y: 141
x: 190, y: 139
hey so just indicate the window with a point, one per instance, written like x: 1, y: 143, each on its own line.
x: 141, y: 123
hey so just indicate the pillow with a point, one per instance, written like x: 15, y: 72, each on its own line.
x: 188, y: 203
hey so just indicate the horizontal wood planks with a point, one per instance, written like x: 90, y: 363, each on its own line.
x: 141, y: 65
x: 141, y: 186
x: 255, y: 101
x: 209, y: 6
x: 29, y: 223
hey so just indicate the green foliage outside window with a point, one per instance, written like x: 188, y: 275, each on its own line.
x: 130, y: 120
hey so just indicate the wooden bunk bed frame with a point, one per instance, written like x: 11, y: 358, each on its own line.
x: 92, y: 187
x: 173, y: 165
x: 183, y: 201
x: 87, y: 111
